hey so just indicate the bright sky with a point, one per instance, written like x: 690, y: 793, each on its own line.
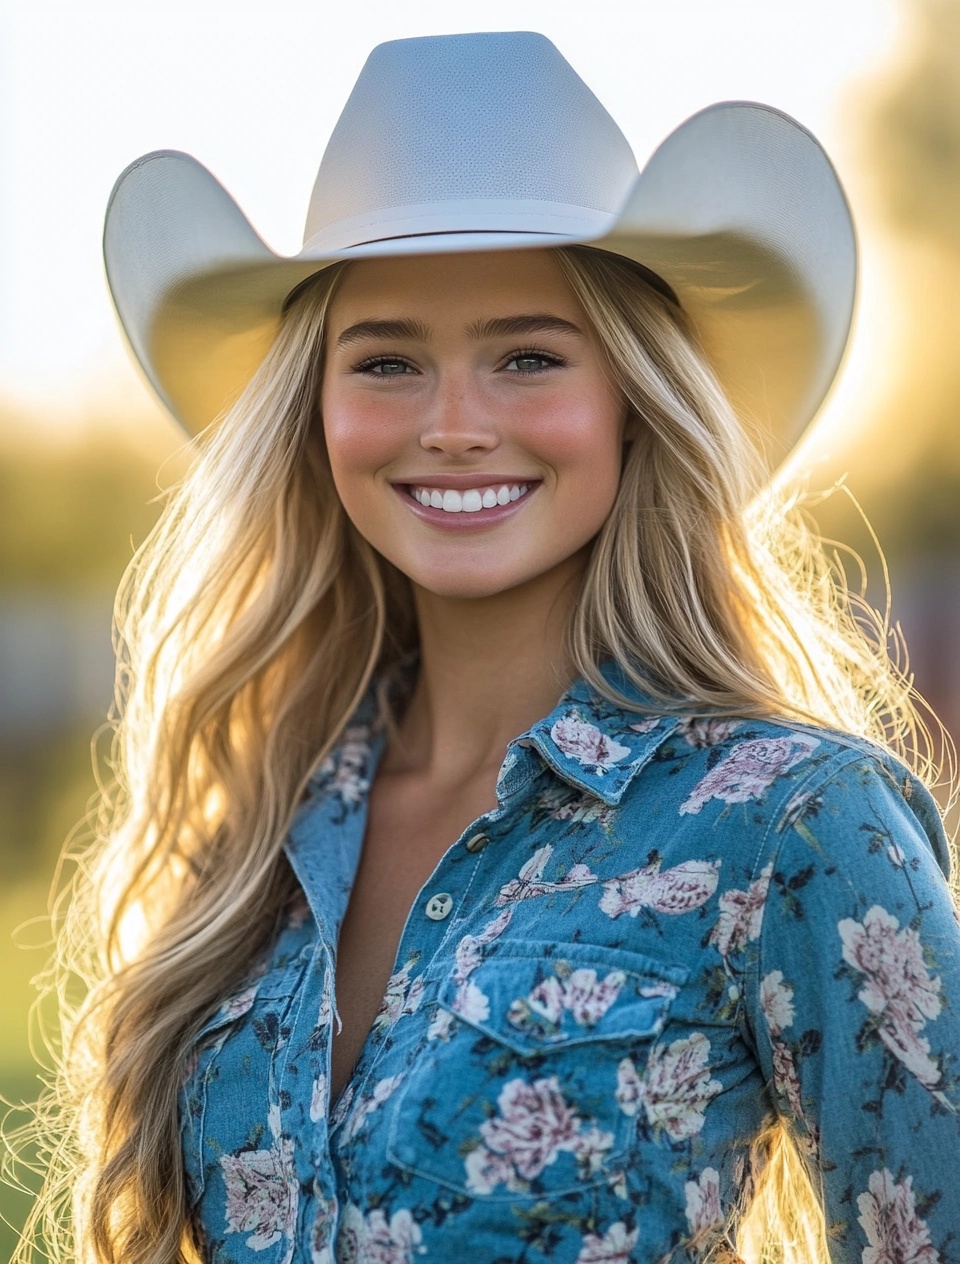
x: 253, y: 87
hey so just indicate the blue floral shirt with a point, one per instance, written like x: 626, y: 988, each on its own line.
x: 669, y: 932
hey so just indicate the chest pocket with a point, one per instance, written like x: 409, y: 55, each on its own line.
x: 227, y: 1089
x: 519, y: 1093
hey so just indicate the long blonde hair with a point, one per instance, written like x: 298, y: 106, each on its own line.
x: 248, y: 627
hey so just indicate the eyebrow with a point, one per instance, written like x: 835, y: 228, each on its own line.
x: 499, y: 327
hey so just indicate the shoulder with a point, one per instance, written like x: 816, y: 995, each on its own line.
x: 750, y: 785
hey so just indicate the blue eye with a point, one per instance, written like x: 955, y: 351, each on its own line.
x: 529, y: 362
x: 384, y: 366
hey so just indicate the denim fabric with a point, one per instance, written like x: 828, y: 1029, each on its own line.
x: 669, y: 932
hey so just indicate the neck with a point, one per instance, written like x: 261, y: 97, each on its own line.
x: 489, y: 669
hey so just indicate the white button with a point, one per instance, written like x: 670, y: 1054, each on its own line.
x: 476, y: 842
x: 439, y: 906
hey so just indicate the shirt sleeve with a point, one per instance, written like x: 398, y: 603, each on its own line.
x: 855, y: 1011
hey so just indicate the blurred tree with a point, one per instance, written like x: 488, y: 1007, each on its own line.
x: 905, y: 463
x: 914, y: 129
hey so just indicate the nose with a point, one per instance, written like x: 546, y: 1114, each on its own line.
x: 458, y: 421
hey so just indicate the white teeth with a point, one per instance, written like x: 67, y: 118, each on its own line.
x: 470, y: 501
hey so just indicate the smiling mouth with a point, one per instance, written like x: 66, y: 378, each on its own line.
x: 471, y: 500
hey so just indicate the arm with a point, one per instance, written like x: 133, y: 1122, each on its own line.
x: 855, y: 1009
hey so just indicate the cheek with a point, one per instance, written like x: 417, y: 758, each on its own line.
x: 358, y: 441
x: 582, y: 434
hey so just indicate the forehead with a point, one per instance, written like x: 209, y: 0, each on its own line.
x: 438, y: 289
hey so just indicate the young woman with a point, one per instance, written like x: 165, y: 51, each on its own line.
x: 511, y: 857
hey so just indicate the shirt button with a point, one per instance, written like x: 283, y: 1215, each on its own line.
x: 439, y: 906
x: 476, y: 842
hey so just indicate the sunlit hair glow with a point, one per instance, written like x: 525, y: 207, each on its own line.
x: 253, y: 620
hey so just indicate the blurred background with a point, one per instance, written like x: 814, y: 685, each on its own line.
x: 252, y: 88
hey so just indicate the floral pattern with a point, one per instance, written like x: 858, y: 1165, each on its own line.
x: 376, y: 1238
x: 677, y: 890
x: 262, y: 1192
x: 703, y: 1208
x: 888, y: 1215
x: 681, y: 927
x: 613, y: 1248
x: 586, y: 997
x: 675, y: 1088
x: 749, y: 771
x: 898, y: 991
x: 534, y: 1124
x: 588, y: 745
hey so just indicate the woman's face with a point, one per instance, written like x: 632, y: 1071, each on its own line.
x: 473, y: 435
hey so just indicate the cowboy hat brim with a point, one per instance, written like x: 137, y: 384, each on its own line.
x: 739, y: 210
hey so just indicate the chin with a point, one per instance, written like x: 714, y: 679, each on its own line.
x: 467, y: 584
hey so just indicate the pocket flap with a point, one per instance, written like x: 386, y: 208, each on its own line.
x: 533, y: 996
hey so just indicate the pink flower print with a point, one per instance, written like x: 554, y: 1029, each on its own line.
x: 534, y: 1125
x: 785, y: 1078
x: 700, y: 731
x: 629, y: 1088
x: 587, y: 998
x: 561, y: 805
x: 342, y: 1108
x: 350, y: 781
x: 888, y: 1216
x: 321, y: 1246
x: 529, y: 882
x: 678, y: 890
x: 776, y: 1001
x: 325, y: 1015
x: 318, y: 1098
x: 262, y: 1193
x: 585, y: 743
x: 704, y: 1211
x: 486, y: 1170
x: 298, y: 910
x: 676, y: 1087
x: 469, y: 951
x: 578, y: 991
x: 402, y: 996
x: 471, y: 1004
x: 240, y: 1004
x: 373, y: 1239
x: 741, y: 915
x: 898, y: 988
x: 368, y: 1104
x: 442, y: 1026
x: 546, y: 999
x: 645, y: 726
x: 749, y: 770
x: 613, y: 1248
x: 592, y: 1147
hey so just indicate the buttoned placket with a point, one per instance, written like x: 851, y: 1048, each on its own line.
x: 441, y: 905
x: 435, y: 915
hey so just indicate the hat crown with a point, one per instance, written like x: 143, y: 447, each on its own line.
x: 490, y: 117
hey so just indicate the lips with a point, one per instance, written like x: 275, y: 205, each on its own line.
x: 459, y: 501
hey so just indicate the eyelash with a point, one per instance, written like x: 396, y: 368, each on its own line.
x: 525, y: 353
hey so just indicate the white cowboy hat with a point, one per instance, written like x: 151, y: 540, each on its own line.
x: 490, y: 142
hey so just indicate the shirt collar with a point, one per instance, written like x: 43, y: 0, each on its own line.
x: 595, y: 744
